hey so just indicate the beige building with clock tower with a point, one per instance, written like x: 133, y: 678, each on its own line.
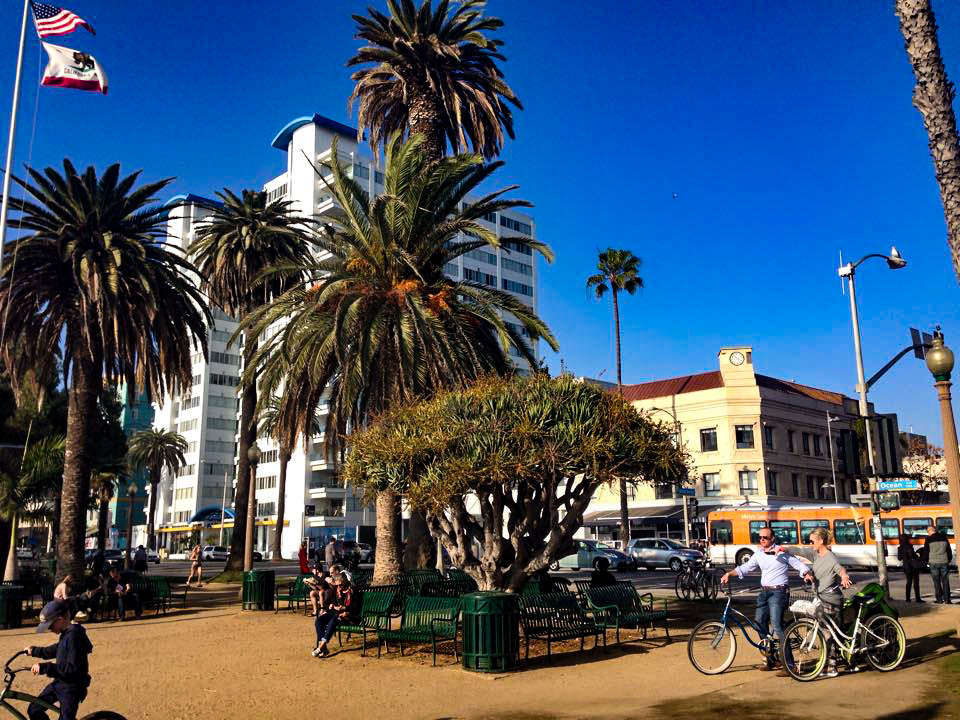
x: 752, y: 439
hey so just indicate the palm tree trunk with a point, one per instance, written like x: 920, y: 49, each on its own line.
x: 10, y: 570
x: 154, y: 489
x: 103, y: 513
x: 248, y: 436
x: 81, y: 410
x: 387, y: 568
x: 424, y: 120
x: 933, y: 97
x: 416, y: 554
x: 276, y: 553
x: 624, y: 509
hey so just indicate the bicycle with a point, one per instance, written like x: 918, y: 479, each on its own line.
x: 698, y: 579
x: 712, y: 645
x: 878, y: 637
x: 9, y: 674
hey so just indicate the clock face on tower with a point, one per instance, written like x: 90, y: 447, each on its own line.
x: 736, y: 358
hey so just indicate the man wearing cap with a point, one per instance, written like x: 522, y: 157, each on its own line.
x: 70, y: 672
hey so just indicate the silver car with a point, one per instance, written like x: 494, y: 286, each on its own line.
x: 651, y: 553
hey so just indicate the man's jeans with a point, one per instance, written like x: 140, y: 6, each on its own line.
x: 770, y: 607
x: 940, y: 574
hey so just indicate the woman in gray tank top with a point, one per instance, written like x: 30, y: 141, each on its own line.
x: 828, y: 571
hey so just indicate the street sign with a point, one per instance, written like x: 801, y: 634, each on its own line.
x: 690, y: 492
x: 920, y: 342
x: 905, y: 484
x: 861, y: 499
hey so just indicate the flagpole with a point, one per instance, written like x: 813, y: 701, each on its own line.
x: 13, y: 129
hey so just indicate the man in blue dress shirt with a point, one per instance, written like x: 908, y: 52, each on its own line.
x: 774, y: 563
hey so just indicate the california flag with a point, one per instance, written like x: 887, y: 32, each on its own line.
x: 73, y: 69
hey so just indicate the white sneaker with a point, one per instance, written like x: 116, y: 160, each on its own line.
x: 830, y: 671
x: 81, y: 617
x: 316, y: 651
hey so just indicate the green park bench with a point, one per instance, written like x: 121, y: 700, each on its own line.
x: 297, y: 592
x: 462, y: 576
x: 361, y: 578
x: 414, y: 580
x: 555, y: 617
x: 447, y: 588
x: 376, y: 602
x: 162, y: 594
x: 425, y: 619
x: 620, y: 606
x: 546, y: 585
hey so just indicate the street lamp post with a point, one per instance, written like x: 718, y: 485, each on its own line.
x: 940, y: 363
x: 833, y: 466
x: 223, y: 507
x: 894, y: 262
x: 132, y: 492
x: 686, y: 513
x: 253, y: 455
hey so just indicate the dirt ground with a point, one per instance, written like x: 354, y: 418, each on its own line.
x: 213, y: 661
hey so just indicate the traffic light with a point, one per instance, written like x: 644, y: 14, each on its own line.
x: 693, y: 508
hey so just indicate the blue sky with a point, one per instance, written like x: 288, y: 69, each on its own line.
x: 785, y: 129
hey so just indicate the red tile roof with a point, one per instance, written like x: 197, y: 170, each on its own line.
x: 673, y: 386
x: 713, y: 380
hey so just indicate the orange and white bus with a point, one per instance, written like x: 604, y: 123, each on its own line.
x: 733, y: 530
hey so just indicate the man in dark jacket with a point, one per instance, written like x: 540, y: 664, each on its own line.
x: 937, y: 553
x: 70, y: 672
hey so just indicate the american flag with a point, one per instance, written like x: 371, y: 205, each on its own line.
x: 52, y: 20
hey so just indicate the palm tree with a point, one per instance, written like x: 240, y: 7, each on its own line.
x: 103, y: 488
x: 933, y: 97
x: 271, y: 424
x: 242, y: 238
x: 435, y: 74
x: 25, y: 491
x: 154, y: 450
x: 617, y: 270
x: 378, y: 322
x: 95, y: 275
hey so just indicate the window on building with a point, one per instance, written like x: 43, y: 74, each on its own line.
x: 811, y: 490
x: 791, y: 441
x: 784, y: 531
x: 183, y: 493
x: 187, y: 425
x: 795, y: 484
x: 219, y: 470
x: 848, y: 532
x: 771, y: 482
x: 805, y: 437
x: 711, y: 484
x: 708, y: 439
x: 721, y: 532
x: 748, y: 482
x: 220, y: 379
x: 517, y: 267
x: 223, y: 401
x: 266, y: 482
x: 516, y: 287
x: 197, y: 379
x: 354, y: 504
x: 220, y: 336
x: 817, y: 448
x: 186, y: 470
x: 190, y: 403
x: 479, y: 277
x: 222, y: 424
x: 516, y: 247
x: 192, y: 447
x: 452, y: 269
x: 515, y: 225
x: 269, y: 508
x: 378, y: 177
x: 220, y: 446
x: 841, y: 454
x: 768, y: 436
x: 744, y: 436
x: 224, y: 358
x: 360, y: 171
x: 807, y: 526
x: 755, y: 527
x: 482, y: 256
x: 269, y: 456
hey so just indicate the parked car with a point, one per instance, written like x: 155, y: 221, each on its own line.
x: 363, y: 551
x: 589, y: 552
x: 214, y: 552
x: 257, y: 556
x: 152, y: 556
x: 650, y: 553
x: 112, y: 556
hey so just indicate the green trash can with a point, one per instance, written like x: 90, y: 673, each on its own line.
x: 258, y: 589
x: 11, y: 606
x: 491, y: 631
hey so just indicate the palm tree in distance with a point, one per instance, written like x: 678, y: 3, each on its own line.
x: 434, y: 72
x: 933, y: 97
x: 272, y: 425
x: 103, y: 488
x: 26, y: 487
x: 617, y: 270
x: 244, y: 236
x: 154, y: 450
x: 378, y: 322
x: 94, y: 275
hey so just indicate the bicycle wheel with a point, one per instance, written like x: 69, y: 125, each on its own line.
x: 709, y: 587
x: 681, y: 586
x: 711, y: 647
x: 808, y: 646
x: 103, y: 715
x: 884, y: 642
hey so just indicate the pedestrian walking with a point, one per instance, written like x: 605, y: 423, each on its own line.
x: 196, y: 566
x: 937, y: 553
x: 140, y: 560
x: 303, y: 559
x: 330, y: 552
x: 912, y: 565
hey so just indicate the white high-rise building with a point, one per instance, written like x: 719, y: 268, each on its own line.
x: 317, y: 506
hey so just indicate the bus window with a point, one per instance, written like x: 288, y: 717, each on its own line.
x: 755, y: 527
x: 891, y: 528
x: 807, y: 525
x: 721, y: 532
x: 945, y: 525
x: 916, y: 527
x: 785, y: 531
x: 848, y: 532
